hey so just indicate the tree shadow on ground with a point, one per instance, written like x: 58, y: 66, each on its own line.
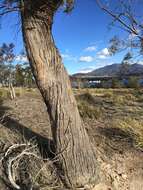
x: 45, y: 145
x: 116, y: 134
x: 3, y: 109
x: 115, y: 140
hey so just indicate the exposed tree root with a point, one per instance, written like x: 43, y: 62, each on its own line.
x: 11, y: 162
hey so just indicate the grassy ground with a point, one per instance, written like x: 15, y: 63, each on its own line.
x: 113, y: 119
x: 117, y: 108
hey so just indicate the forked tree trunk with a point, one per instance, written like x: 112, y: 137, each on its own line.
x: 77, y: 159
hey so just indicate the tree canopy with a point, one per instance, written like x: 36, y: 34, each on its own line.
x: 8, y: 6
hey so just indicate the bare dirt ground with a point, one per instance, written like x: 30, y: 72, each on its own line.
x: 121, y: 163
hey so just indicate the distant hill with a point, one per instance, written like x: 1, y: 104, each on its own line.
x: 113, y: 70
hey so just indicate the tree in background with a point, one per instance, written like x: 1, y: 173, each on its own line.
x: 6, y: 58
x: 77, y: 164
x: 6, y: 68
x: 28, y: 76
x: 19, y: 75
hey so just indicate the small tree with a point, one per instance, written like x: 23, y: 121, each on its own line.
x: 28, y: 76
x: 6, y: 58
x: 19, y: 75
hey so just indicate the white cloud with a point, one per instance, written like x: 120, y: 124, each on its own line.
x: 101, y: 64
x: 132, y: 36
x: 69, y: 57
x: 65, y: 56
x: 21, y: 58
x: 140, y: 62
x: 90, y: 48
x: 103, y: 54
x: 97, y: 65
x: 87, y: 59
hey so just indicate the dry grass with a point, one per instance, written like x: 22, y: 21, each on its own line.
x: 5, y: 94
x: 118, y: 108
x: 132, y: 126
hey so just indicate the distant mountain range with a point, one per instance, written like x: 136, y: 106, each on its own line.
x: 113, y: 70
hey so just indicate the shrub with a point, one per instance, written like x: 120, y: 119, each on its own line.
x: 86, y: 97
x: 132, y: 126
x: 116, y: 83
x: 133, y: 82
x: 88, y: 111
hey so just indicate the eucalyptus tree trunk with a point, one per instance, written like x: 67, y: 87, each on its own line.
x: 77, y: 161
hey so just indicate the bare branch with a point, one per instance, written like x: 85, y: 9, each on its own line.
x: 9, y: 10
x: 130, y: 29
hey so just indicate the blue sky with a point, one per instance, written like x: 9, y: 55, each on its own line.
x: 81, y: 36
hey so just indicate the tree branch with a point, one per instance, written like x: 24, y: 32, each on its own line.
x: 128, y: 28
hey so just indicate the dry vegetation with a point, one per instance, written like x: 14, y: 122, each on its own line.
x: 118, y: 108
x: 114, y: 122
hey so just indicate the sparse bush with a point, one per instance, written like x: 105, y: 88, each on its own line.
x: 133, y: 82
x: 116, y: 83
x: 87, y: 108
x: 86, y: 97
x: 133, y: 126
x: 88, y: 111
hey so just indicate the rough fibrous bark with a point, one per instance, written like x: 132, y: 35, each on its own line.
x: 77, y: 163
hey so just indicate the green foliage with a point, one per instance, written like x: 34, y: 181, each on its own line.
x: 19, y: 75
x: 29, y: 80
x: 6, y: 58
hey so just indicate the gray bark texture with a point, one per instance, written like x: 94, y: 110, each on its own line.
x: 77, y: 160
